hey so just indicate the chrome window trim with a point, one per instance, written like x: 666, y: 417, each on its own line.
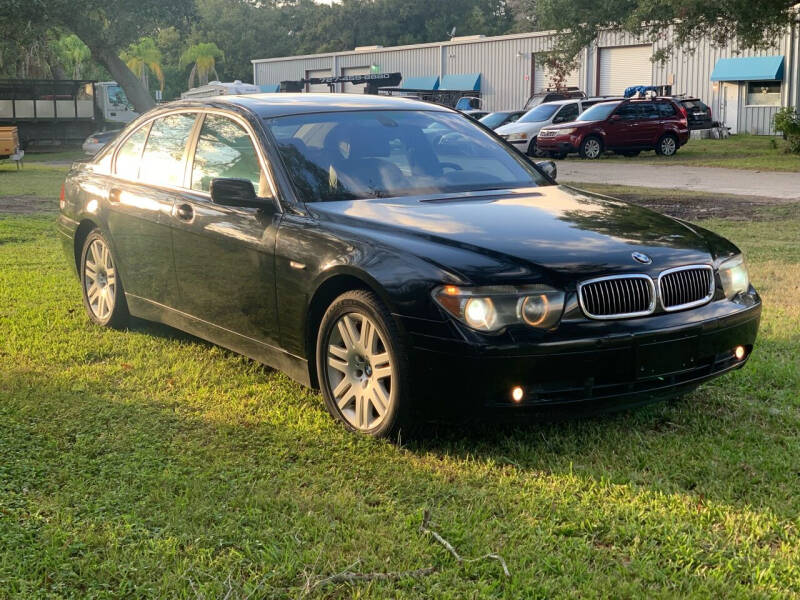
x: 702, y: 301
x: 199, y: 111
x: 649, y: 311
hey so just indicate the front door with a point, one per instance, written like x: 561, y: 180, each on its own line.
x: 730, y: 106
x: 224, y: 256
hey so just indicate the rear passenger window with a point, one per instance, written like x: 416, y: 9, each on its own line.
x: 162, y: 162
x: 130, y: 153
x: 649, y: 111
x: 629, y: 112
x: 224, y: 149
x: 568, y: 113
x: 665, y: 109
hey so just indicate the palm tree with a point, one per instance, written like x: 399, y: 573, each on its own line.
x: 144, y: 57
x: 74, y: 53
x: 204, y: 56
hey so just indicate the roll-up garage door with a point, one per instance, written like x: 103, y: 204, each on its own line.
x: 623, y: 67
x: 542, y: 77
x: 320, y: 87
x: 349, y: 88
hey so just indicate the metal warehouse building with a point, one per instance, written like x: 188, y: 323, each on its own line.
x: 743, y: 88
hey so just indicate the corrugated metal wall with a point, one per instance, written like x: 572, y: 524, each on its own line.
x: 505, y: 64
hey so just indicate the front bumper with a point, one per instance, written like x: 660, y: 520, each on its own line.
x: 602, y: 372
x: 563, y: 144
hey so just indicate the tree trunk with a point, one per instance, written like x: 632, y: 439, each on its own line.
x: 137, y: 94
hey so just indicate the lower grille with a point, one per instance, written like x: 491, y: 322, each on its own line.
x: 617, y: 296
x: 686, y: 287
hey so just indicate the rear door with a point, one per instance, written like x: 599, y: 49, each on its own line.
x: 224, y: 256
x: 147, y: 168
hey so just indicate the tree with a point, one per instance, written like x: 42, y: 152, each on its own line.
x: 105, y: 26
x: 203, y: 58
x: 671, y: 22
x: 74, y: 54
x: 143, y: 58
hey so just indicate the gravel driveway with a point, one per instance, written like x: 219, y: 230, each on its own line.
x: 700, y: 179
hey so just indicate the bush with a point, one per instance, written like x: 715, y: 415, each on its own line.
x: 787, y: 121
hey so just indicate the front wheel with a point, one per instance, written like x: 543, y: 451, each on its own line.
x: 591, y: 148
x: 362, y: 365
x: 667, y: 145
x: 103, y: 294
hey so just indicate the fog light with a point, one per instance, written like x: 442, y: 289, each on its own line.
x: 517, y: 394
x: 739, y: 352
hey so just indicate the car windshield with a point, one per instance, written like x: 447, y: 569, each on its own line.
x: 598, y: 112
x: 379, y: 154
x: 541, y: 113
x: 492, y: 120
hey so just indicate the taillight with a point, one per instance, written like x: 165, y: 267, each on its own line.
x: 62, y: 198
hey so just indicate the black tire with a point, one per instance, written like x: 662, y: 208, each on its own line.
x: 533, y: 149
x: 591, y: 147
x: 355, y: 304
x: 112, y: 310
x: 667, y: 145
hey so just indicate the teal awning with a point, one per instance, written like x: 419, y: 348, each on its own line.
x: 426, y: 82
x: 750, y: 68
x: 462, y: 81
x: 270, y: 87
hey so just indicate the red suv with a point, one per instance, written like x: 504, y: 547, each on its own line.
x: 626, y: 127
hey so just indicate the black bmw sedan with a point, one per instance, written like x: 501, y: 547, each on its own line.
x: 398, y: 256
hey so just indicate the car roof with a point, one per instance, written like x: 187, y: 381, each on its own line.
x: 566, y: 101
x: 281, y: 104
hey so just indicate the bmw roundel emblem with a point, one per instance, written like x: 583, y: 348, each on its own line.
x: 642, y: 258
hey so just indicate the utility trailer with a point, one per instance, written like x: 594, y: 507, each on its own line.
x: 53, y: 112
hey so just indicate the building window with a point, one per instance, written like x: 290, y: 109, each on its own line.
x: 764, y: 93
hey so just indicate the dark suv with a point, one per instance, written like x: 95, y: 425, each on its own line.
x: 697, y: 111
x: 626, y: 127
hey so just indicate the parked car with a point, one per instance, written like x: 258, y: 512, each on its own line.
x: 95, y: 142
x: 522, y: 132
x: 624, y: 126
x: 475, y: 114
x: 328, y: 236
x: 698, y: 113
x: 501, y: 117
x: 552, y: 95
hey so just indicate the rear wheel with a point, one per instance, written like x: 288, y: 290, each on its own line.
x: 103, y: 294
x: 362, y: 365
x: 667, y: 145
x: 591, y: 148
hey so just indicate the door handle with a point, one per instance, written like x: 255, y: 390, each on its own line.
x: 184, y: 212
x: 114, y: 195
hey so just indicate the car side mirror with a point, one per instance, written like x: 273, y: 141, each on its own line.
x: 237, y: 192
x: 549, y: 167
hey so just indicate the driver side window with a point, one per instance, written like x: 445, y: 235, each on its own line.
x: 224, y: 149
x: 567, y: 114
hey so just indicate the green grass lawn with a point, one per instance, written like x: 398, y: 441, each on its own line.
x: 146, y: 463
x: 756, y: 152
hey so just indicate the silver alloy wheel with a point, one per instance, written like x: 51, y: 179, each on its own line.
x: 100, y: 279
x: 668, y: 146
x: 359, y: 371
x: 591, y: 148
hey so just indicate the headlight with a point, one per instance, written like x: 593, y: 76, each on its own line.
x: 734, y: 277
x: 493, y: 308
x: 516, y: 137
x: 566, y: 131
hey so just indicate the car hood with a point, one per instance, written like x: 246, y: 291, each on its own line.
x: 522, y: 234
x: 572, y: 124
x: 518, y: 127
